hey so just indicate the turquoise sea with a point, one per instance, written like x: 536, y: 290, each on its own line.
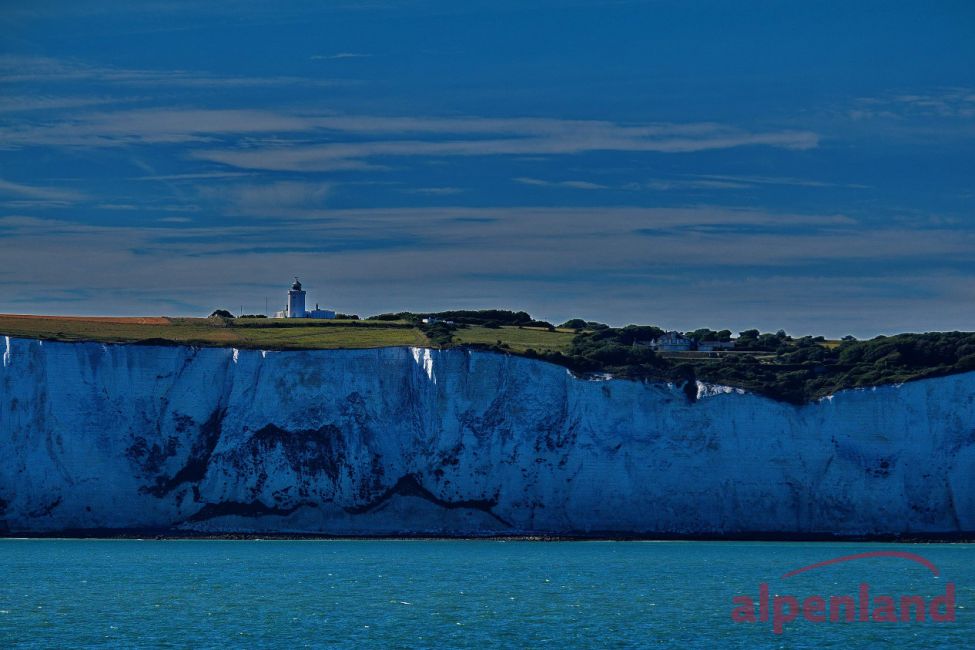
x: 463, y: 594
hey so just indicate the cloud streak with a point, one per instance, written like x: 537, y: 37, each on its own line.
x: 575, y: 185
x: 54, y: 194
x: 338, y: 56
x: 324, y: 157
x: 696, y: 182
x: 267, y: 199
x: 19, y: 69
x: 952, y: 103
x: 445, y: 137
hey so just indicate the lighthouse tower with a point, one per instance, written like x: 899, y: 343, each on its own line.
x: 296, y: 301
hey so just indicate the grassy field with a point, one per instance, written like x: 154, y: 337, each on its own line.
x: 518, y: 339
x: 247, y: 333
x: 264, y: 333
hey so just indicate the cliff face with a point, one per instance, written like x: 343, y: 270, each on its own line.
x: 401, y: 440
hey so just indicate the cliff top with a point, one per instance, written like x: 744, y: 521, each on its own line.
x: 777, y: 365
x: 262, y: 333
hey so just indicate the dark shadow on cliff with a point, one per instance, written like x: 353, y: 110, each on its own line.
x: 410, y: 486
x: 196, y: 465
x: 239, y: 509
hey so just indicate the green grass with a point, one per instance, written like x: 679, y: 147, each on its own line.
x: 518, y: 339
x: 310, y: 338
x: 278, y: 334
x: 249, y: 333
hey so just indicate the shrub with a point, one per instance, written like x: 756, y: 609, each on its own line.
x: 802, y: 369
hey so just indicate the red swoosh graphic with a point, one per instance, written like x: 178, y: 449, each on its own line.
x: 860, y: 556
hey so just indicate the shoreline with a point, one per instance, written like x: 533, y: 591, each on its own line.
x: 184, y: 535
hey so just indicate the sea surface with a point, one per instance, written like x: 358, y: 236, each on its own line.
x: 458, y: 594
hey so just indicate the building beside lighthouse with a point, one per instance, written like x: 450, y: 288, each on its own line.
x: 296, y: 305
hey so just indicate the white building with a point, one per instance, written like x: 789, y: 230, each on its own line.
x: 672, y: 342
x: 715, y: 346
x: 320, y: 313
x: 296, y: 305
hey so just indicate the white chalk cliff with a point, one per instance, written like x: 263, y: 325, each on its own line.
x: 459, y: 442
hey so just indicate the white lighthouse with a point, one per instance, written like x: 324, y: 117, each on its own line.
x: 296, y: 301
x: 296, y: 306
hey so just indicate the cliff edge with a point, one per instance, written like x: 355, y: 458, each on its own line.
x: 459, y: 442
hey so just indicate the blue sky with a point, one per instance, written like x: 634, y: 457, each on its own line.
x: 759, y: 164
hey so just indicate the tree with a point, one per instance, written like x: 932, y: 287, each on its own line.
x: 702, y: 334
x: 747, y: 339
x: 642, y: 333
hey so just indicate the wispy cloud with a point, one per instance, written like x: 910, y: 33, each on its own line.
x: 268, y: 199
x: 668, y: 184
x: 776, y: 180
x: 339, y: 55
x: 193, y: 176
x: 122, y: 207
x: 55, y: 194
x: 942, y: 102
x: 27, y: 103
x: 318, y: 150
x: 436, y: 191
x: 18, y: 69
x: 696, y: 182
x: 148, y: 126
x: 323, y: 157
x: 576, y: 185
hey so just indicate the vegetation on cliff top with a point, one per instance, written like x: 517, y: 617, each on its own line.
x: 786, y: 368
x: 794, y: 370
